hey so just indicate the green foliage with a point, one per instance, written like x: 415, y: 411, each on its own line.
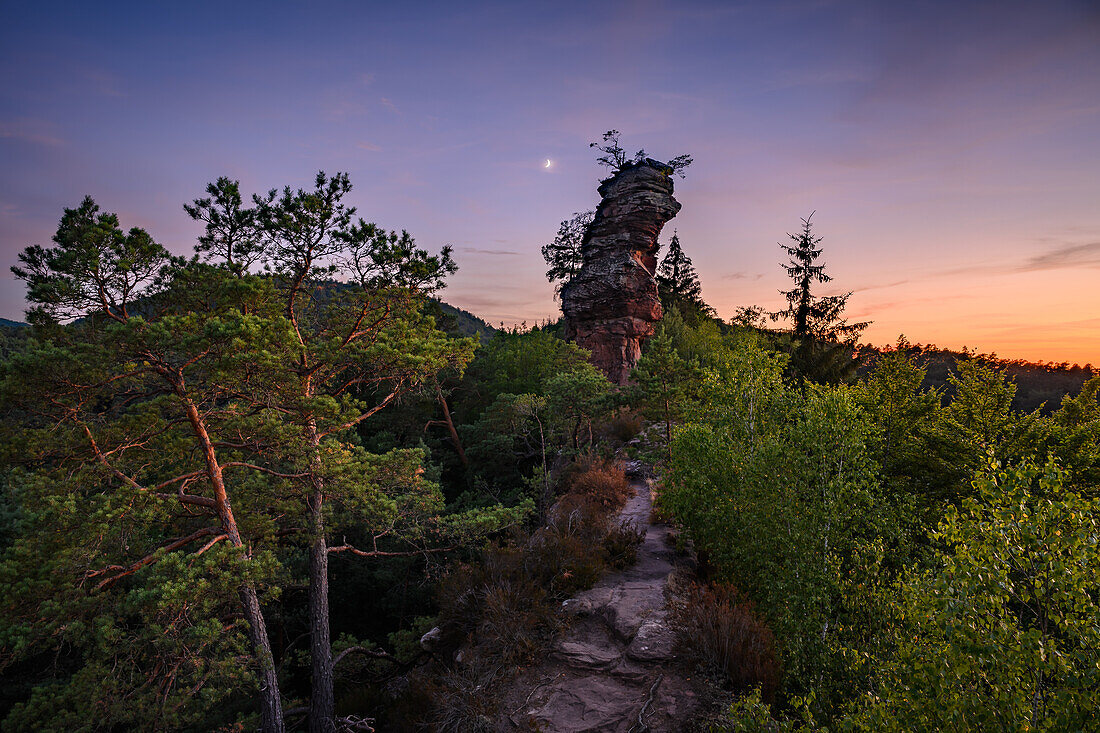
x: 515, y: 362
x: 1074, y: 437
x: 779, y: 490
x: 1004, y: 632
x: 615, y: 157
x: 563, y: 254
x: 663, y: 382
x: 546, y: 399
x: 916, y: 455
x: 192, y: 433
x: 817, y: 502
x: 232, y: 237
x: 95, y: 266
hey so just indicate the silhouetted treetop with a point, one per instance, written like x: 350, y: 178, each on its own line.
x: 615, y: 157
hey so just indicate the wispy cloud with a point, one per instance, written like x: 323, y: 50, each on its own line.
x: 479, y: 251
x: 1070, y: 255
x: 1067, y: 256
x: 368, y: 146
x: 30, y: 131
x: 103, y: 82
x: 742, y: 276
x: 881, y: 286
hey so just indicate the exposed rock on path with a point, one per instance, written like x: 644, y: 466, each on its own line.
x: 611, y: 305
x: 615, y: 667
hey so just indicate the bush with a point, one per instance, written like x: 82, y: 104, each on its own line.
x: 498, y: 603
x: 620, y: 545
x: 502, y: 610
x: 720, y: 630
x: 624, y: 426
x: 461, y: 702
x: 601, y: 481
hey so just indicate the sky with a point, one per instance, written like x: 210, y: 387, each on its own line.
x: 950, y: 150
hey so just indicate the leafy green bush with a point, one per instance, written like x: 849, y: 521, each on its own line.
x: 1004, y: 632
x: 777, y: 488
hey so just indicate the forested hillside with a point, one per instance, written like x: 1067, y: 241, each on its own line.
x: 313, y: 496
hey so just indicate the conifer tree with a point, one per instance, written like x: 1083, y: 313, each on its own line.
x: 823, y: 339
x: 194, y: 421
x: 135, y: 513
x: 678, y: 283
x: 663, y: 380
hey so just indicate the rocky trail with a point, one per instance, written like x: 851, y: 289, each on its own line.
x: 614, y: 668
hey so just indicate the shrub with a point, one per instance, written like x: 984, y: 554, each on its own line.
x: 601, y: 481
x: 720, y: 630
x: 624, y: 426
x: 461, y: 702
x: 498, y: 603
x: 620, y: 545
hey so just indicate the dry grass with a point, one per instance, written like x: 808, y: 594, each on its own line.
x: 620, y: 545
x: 721, y: 630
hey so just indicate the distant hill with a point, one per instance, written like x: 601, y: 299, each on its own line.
x: 1038, y: 384
x: 460, y: 322
x: 451, y: 319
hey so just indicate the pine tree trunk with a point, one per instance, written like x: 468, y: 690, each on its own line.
x: 451, y: 427
x: 271, y: 705
x: 322, y: 704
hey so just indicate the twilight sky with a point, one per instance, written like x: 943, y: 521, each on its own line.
x: 950, y: 149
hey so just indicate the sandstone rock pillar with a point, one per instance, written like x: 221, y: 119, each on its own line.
x: 611, y: 306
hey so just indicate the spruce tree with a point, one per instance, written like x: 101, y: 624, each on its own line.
x: 678, y: 283
x: 823, y: 344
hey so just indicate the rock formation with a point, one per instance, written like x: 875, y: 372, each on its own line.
x: 611, y: 305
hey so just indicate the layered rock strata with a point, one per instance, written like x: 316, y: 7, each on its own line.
x: 611, y: 305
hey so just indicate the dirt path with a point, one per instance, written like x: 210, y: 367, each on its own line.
x: 615, y: 667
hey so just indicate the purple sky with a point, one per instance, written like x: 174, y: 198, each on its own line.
x: 951, y: 150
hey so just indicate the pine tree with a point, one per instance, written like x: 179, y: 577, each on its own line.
x: 138, y: 517
x: 823, y: 339
x: 663, y: 381
x: 193, y: 422
x: 678, y: 283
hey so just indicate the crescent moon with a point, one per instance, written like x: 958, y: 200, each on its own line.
x: 548, y: 163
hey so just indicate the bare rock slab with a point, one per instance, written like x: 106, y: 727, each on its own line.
x: 654, y: 642
x: 593, y: 703
x: 584, y: 655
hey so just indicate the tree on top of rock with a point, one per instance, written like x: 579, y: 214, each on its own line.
x: 615, y: 157
x: 563, y: 254
x: 678, y: 283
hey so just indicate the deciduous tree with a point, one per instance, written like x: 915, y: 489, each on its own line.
x: 563, y: 254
